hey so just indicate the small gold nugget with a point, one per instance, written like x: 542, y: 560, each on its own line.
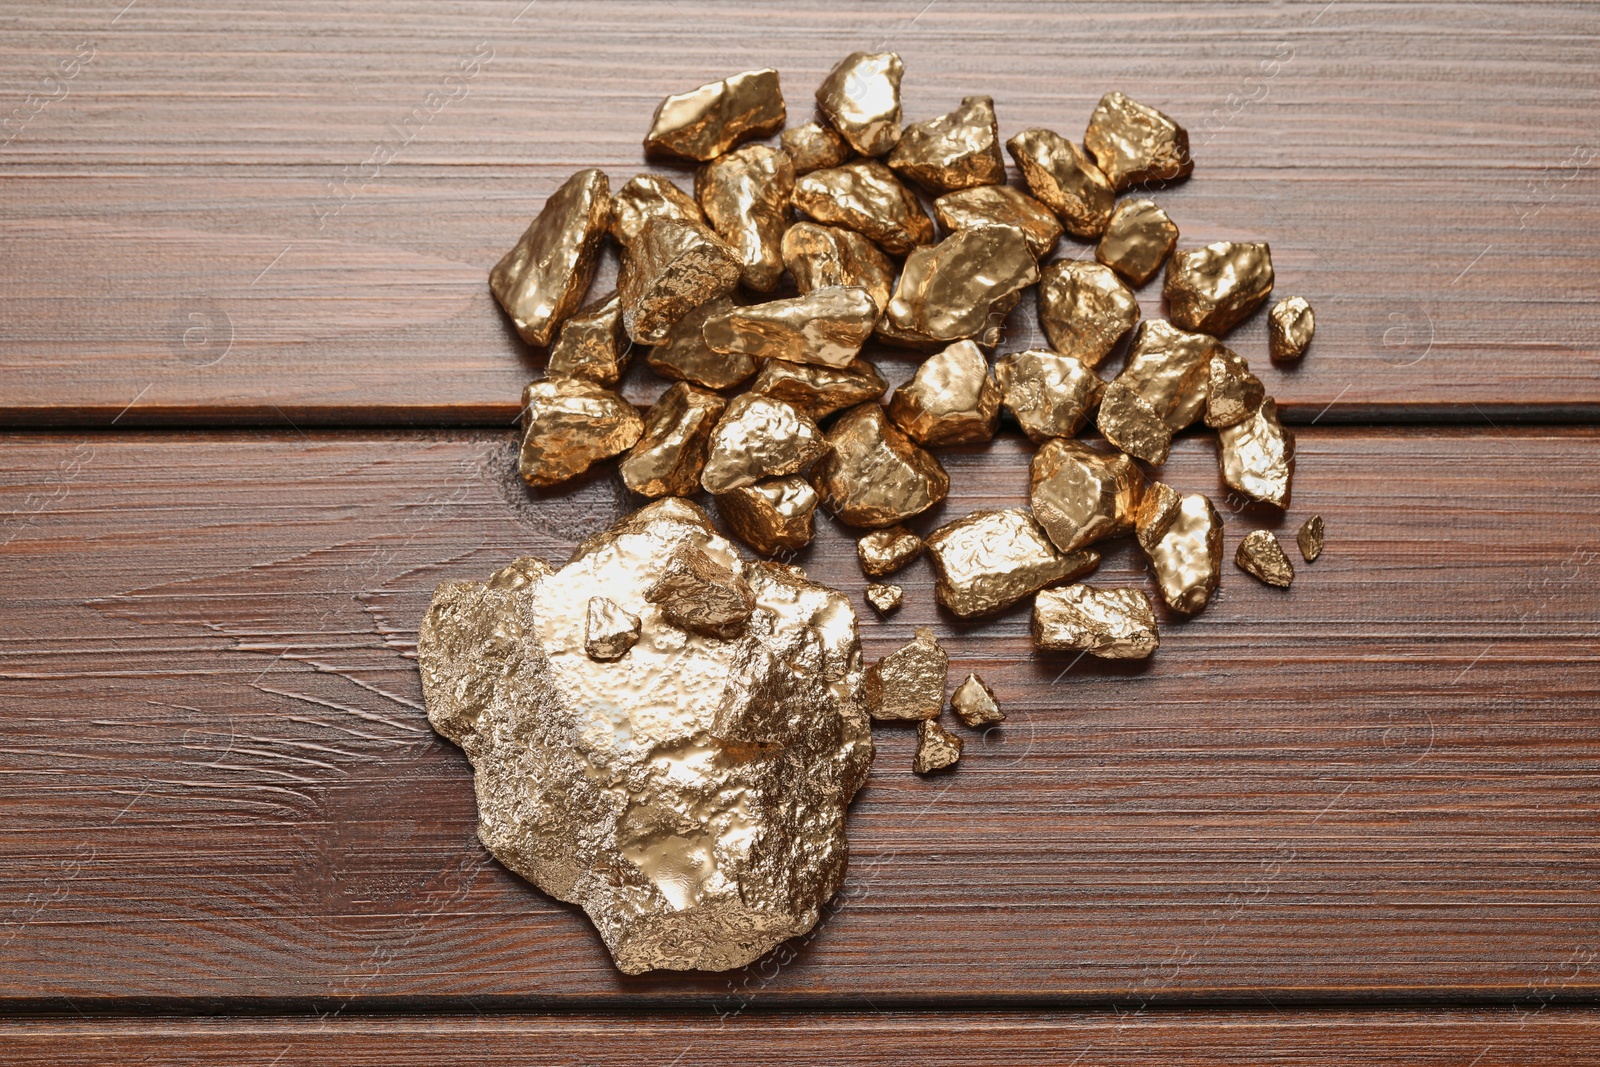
x: 1137, y: 240
x: 1213, y: 289
x: 883, y: 552
x: 1108, y: 623
x: 861, y: 98
x: 822, y: 256
x: 1158, y: 507
x: 866, y: 197
x: 1000, y: 205
x: 1085, y: 309
x: 706, y: 122
x: 1232, y: 393
x: 646, y: 197
x: 684, y: 355
x: 974, y: 702
x: 884, y: 596
x: 952, y: 398
x: 1310, y: 538
x: 937, y: 748
x: 1081, y: 495
x: 991, y: 559
x: 745, y: 196
x: 1187, y: 560
x: 771, y: 516
x: 1261, y: 556
x: 702, y: 595
x: 1257, y: 456
x: 1049, y: 394
x: 569, y: 425
x: 1127, y: 420
x: 610, y: 631
x: 541, y: 281
x: 1065, y: 180
x: 814, y: 146
x: 908, y: 683
x: 959, y: 288
x: 1170, y: 368
x: 1290, y: 325
x: 590, y: 344
x: 825, y: 326
x: 819, y: 391
x: 758, y: 437
x: 1134, y: 144
x: 960, y: 150
x: 670, y: 455
x: 874, y: 475
x: 670, y: 269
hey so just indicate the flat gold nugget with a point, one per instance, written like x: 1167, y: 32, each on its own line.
x: 883, y: 552
x: 1085, y: 309
x: 702, y: 595
x: 541, y: 281
x: 705, y: 122
x: 1187, y: 560
x: 884, y: 597
x: 825, y: 326
x: 815, y: 146
x: 937, y: 748
x: 771, y: 516
x: 819, y: 391
x: 1108, y: 623
x: 646, y: 197
x: 1261, y: 556
x: 823, y: 256
x: 1000, y: 205
x: 1257, y: 456
x: 874, y: 475
x: 1137, y: 240
x: 1081, y: 495
x: 974, y: 702
x: 746, y: 196
x: 960, y: 288
x: 989, y: 560
x: 684, y: 355
x: 951, y: 399
x: 960, y: 150
x: 1064, y: 180
x: 611, y: 631
x: 861, y: 99
x: 670, y: 269
x: 908, y: 683
x: 1290, y: 325
x: 866, y: 197
x: 1135, y: 145
x: 758, y: 437
x: 1049, y: 394
x: 1213, y: 289
x: 670, y: 455
x: 1310, y: 538
x: 591, y: 345
x: 569, y: 425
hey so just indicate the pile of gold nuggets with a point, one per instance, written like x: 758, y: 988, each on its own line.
x: 840, y: 209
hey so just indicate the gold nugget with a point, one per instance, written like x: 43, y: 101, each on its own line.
x: 960, y: 150
x: 1170, y: 368
x: 610, y: 630
x: 706, y: 122
x: 1137, y: 240
x: 670, y: 269
x: 1187, y: 560
x: 819, y: 391
x: 758, y: 437
x: 1134, y: 144
x: 861, y: 98
x: 883, y: 552
x: 959, y: 288
x: 1158, y: 507
x: 1257, y: 456
x: 670, y: 455
x: 825, y: 326
x: 1000, y: 205
x: 1261, y: 556
x: 823, y: 256
x: 646, y: 197
x: 1049, y: 394
x: 1232, y: 392
x: 1310, y: 538
x: 937, y: 748
x: 569, y: 425
x: 908, y: 683
x: 814, y: 146
x: 1108, y: 623
x: 952, y: 399
x: 771, y: 516
x: 874, y: 475
x: 884, y: 596
x: 866, y: 197
x: 1085, y: 309
x: 991, y: 559
x: 590, y: 344
x: 1081, y: 495
x: 745, y: 196
x: 1290, y: 325
x: 702, y: 595
x: 974, y: 702
x: 542, y: 279
x: 1065, y: 180
x: 1127, y: 420
x: 1213, y: 289
x: 684, y: 355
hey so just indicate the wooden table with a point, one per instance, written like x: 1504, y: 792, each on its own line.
x: 257, y: 401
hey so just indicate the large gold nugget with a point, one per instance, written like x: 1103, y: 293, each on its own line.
x: 1081, y: 495
x: 771, y: 516
x: 1310, y: 538
x: 814, y: 146
x: 883, y: 552
x: 1000, y: 205
x: 823, y: 256
x: 1290, y: 326
x: 825, y: 326
x: 874, y: 475
x: 861, y: 98
x: 1170, y: 368
x: 1232, y: 393
x: 974, y: 702
x: 1127, y: 420
x: 1108, y: 623
x: 866, y: 197
x: 677, y: 430
x: 908, y: 683
x: 646, y: 197
x: 746, y: 195
x: 1065, y: 180
x: 1134, y: 144
x: 937, y: 748
x: 706, y: 122
x: 569, y: 425
x: 1187, y: 560
x: 1137, y: 240
x: 1085, y: 309
x: 758, y: 437
x: 1261, y: 556
x: 819, y: 391
x: 542, y: 280
x: 961, y: 287
x: 952, y: 399
x: 989, y: 560
x: 590, y: 344
x: 955, y: 151
x: 1049, y: 394
x: 1257, y: 456
x: 684, y: 355
x: 671, y: 269
x: 734, y: 851
x: 1213, y: 289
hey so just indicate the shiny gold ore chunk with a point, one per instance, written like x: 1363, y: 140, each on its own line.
x: 690, y: 796
x: 960, y: 288
x: 1108, y: 623
x: 1127, y: 420
x: 771, y: 516
x: 819, y: 391
x: 1213, y: 289
x: 1310, y: 538
x: 960, y: 150
x: 908, y: 683
x: 814, y: 146
x: 1158, y: 507
x: 885, y: 551
x: 937, y: 748
x: 820, y: 257
x: 590, y: 344
x: 951, y: 399
x: 1000, y: 205
x: 1290, y: 325
x: 670, y: 455
x: 974, y: 702
x: 1261, y: 556
x: 1257, y: 456
x: 758, y: 437
x: 569, y: 425
x: 861, y: 99
x: 825, y: 326
x: 672, y: 268
x: 989, y: 560
x: 701, y: 594
x: 745, y: 196
x: 1049, y: 394
x: 1137, y: 240
x: 1187, y: 560
x: 1081, y: 495
x: 1170, y: 368
x: 874, y: 475
x: 705, y: 122
x: 611, y: 631
x: 1085, y: 309
x: 541, y: 281
x: 866, y: 197
x: 646, y: 197
x: 884, y: 596
x: 1232, y: 392
x: 1134, y: 144
x: 684, y: 355
x: 1064, y: 180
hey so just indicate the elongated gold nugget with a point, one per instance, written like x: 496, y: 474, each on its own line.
x: 1187, y: 560
x: 989, y: 560
x: 1310, y: 538
x: 1085, y: 309
x: 1065, y: 180
x: 883, y: 552
x: 908, y: 683
x: 866, y: 197
x: 885, y: 597
x: 825, y: 326
x: 813, y: 146
x: 952, y: 398
x: 1108, y: 623
x: 1257, y: 456
x: 670, y: 455
x: 955, y: 151
x: 541, y: 281
x: 1261, y: 556
x: 758, y: 437
x: 569, y: 425
x: 1049, y: 394
x: 771, y: 516
x: 974, y: 702
x: 746, y: 196
x: 1158, y: 507
x: 819, y: 391
x: 684, y: 355
x: 1134, y: 144
x: 591, y: 344
x: 822, y: 256
x: 1081, y: 495
x: 670, y: 269
x: 705, y: 122
x: 1213, y: 289
x: 646, y: 197
x: 1137, y: 240
x: 1290, y: 326
x: 960, y: 288
x: 861, y: 99
x: 1000, y: 205
x: 937, y: 748
x: 874, y: 475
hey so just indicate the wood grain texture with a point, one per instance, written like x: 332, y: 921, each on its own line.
x: 205, y: 225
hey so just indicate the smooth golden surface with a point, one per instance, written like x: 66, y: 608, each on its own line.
x: 609, y: 631
x: 813, y: 146
x: 908, y: 683
x: 1085, y: 309
x: 991, y: 559
x: 702, y: 595
x: 1170, y: 368
x: 1261, y: 556
x: 825, y: 326
x: 771, y: 516
x: 951, y: 399
x: 866, y: 197
x: 961, y: 287
x: 1290, y: 326
x: 883, y: 552
x: 670, y: 455
x: 960, y: 150
x: 660, y: 792
x: 823, y: 256
x: 1049, y: 394
x: 569, y: 425
x: 1214, y: 288
x: 1064, y: 180
x: 1134, y: 144
x: 1257, y: 456
x: 758, y: 437
x: 1187, y: 560
x: 1081, y: 495
x: 819, y: 391
x: 745, y: 196
x: 670, y: 269
x: 1137, y: 240
x: 1127, y: 420
x: 590, y: 344
x: 1232, y: 392
x: 705, y: 122
x: 937, y: 748
x: 1000, y: 205
x: 646, y: 197
x: 1108, y: 623
x: 874, y: 475
x: 684, y: 355
x: 1158, y: 507
x: 974, y: 702
x: 885, y: 597
x: 1309, y: 538
x: 861, y: 99
x: 542, y: 279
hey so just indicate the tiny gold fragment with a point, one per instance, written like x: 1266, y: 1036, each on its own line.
x: 960, y: 150
x: 1108, y: 623
x: 1135, y: 145
x: 1085, y: 309
x: 670, y: 455
x: 1000, y: 205
x: 590, y: 344
x: 1065, y: 180
x: 745, y: 196
x: 670, y: 269
x: 1213, y: 289
x: 1290, y: 325
x: 1158, y: 507
x: 960, y: 288
x: 771, y: 516
x: 866, y: 197
x: 705, y: 122
x: 702, y: 595
x: 884, y: 596
x: 758, y: 437
x: 814, y: 146
x: 1081, y: 495
x: 825, y: 326
x: 1137, y: 240
x: 822, y: 256
x: 610, y: 631
x: 684, y: 355
x: 885, y: 551
x: 991, y: 559
x: 1310, y: 538
x: 646, y: 197
x: 568, y: 425
x: 861, y: 98
x: 1261, y: 556
x: 1170, y: 368
x: 874, y: 475
x: 1257, y: 456
x: 819, y: 391
x: 1127, y: 420
x: 1232, y: 392
x: 937, y: 748
x: 1049, y: 394
x: 541, y: 281
x: 951, y: 399
x: 974, y: 702
x: 1187, y: 560
x: 908, y: 683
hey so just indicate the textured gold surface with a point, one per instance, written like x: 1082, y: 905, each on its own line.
x: 1214, y: 288
x: 1127, y: 420
x: 937, y: 748
x: 884, y: 596
x: 670, y: 269
x: 646, y: 197
x: 1290, y: 326
x: 861, y: 99
x: 590, y: 344
x: 684, y: 355
x: 771, y: 516
x: 866, y: 197
x: 1000, y: 205
x: 1170, y: 368
x: 822, y: 256
x: 1257, y: 456
x: 991, y: 559
x: 1232, y: 392
x: 974, y: 702
x: 885, y: 551
x: 1187, y: 560
x: 670, y: 455
x: 1137, y: 240
x: 825, y: 326
x: 1081, y: 495
x: 705, y: 122
x: 663, y: 793
x: 1049, y: 394
x: 1134, y: 144
x: 1261, y: 556
x: 758, y: 437
x: 1158, y: 507
x: 872, y: 474
x: 961, y: 287
x: 543, y: 278
x: 819, y: 391
x: 813, y: 146
x: 569, y: 425
x: 1108, y: 623
x: 1064, y: 180
x: 1310, y: 538
x: 609, y: 631
x: 951, y: 399
x: 960, y: 150
x: 702, y: 595
x: 1085, y: 309
x: 745, y: 196
x: 908, y: 683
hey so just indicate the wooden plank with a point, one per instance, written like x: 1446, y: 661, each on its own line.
x: 198, y: 229
x: 217, y: 780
